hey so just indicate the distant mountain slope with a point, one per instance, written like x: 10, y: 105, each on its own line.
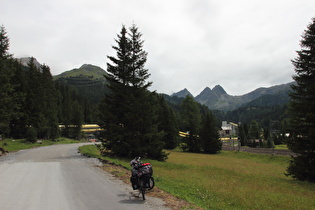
x: 269, y: 100
x: 218, y: 99
x: 86, y: 70
x: 267, y: 91
x: 89, y: 80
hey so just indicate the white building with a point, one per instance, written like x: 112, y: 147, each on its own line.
x: 228, y: 129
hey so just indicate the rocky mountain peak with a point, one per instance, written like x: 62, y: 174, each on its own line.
x: 206, y: 92
x: 182, y: 94
x: 205, y: 95
x: 219, y: 90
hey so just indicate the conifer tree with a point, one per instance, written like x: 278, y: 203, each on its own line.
x: 4, y: 43
x: 18, y: 122
x: 77, y: 120
x: 254, y: 132
x: 139, y: 74
x: 49, y: 109
x: 191, y: 119
x: 34, y: 100
x: 242, y: 134
x: 128, y: 112
x: 302, y: 110
x: 6, y: 88
x: 168, y: 124
x: 64, y: 111
x: 209, y: 135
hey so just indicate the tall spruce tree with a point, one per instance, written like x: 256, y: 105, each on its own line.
x: 18, y: 122
x: 34, y: 101
x: 209, y: 135
x: 128, y: 112
x: 302, y: 110
x: 191, y: 119
x: 6, y: 87
x: 49, y: 109
x: 167, y: 124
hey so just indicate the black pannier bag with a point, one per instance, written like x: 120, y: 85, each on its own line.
x: 134, y: 182
x: 146, y: 180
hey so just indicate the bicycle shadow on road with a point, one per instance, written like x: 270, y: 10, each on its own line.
x: 133, y: 198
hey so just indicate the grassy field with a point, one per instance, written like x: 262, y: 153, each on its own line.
x: 19, y: 144
x: 230, y: 180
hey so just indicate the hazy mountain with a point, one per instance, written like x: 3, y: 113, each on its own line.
x: 217, y: 98
x: 25, y: 60
x: 182, y: 94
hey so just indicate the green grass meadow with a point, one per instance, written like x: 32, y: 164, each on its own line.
x: 230, y: 180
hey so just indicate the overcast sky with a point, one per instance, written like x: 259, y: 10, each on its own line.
x: 193, y: 44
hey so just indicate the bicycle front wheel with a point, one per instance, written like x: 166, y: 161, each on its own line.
x: 152, y: 183
x: 142, y: 188
x: 143, y: 193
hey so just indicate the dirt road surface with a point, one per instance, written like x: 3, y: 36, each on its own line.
x: 58, y: 177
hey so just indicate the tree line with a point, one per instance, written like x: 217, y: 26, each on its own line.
x: 32, y: 105
x: 138, y: 122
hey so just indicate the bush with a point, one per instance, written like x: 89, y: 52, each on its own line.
x: 31, y: 135
x: 184, y: 146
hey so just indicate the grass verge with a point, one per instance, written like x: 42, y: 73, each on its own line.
x: 120, y: 168
x: 231, y: 180
x: 281, y: 146
x: 12, y: 145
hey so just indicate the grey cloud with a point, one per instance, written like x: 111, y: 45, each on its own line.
x: 240, y: 45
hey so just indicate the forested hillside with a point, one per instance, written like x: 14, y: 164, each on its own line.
x: 32, y: 105
x: 89, y: 80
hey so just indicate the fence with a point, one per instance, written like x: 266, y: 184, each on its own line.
x: 269, y: 151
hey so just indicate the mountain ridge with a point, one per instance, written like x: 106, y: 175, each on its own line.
x: 88, y: 78
x: 217, y: 98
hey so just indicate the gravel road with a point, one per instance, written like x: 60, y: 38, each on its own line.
x: 58, y: 177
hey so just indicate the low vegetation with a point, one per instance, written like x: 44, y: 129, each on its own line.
x: 281, y: 146
x: 12, y: 145
x: 229, y: 180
